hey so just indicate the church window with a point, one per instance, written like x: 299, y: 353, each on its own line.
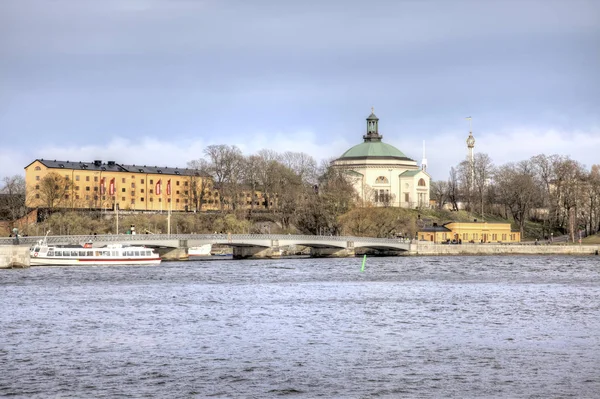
x: 381, y: 180
x: 422, y: 183
x: 406, y: 197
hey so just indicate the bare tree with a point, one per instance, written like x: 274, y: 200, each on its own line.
x: 568, y: 182
x: 13, y: 196
x: 594, y: 199
x: 453, y: 189
x: 482, y: 175
x: 302, y: 164
x: 251, y: 178
x: 199, y: 183
x: 517, y: 190
x: 267, y: 163
x: 290, y: 193
x: 466, y: 184
x: 53, y: 190
x: 439, y: 192
x: 225, y: 169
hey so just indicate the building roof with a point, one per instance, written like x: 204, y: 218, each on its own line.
x: 410, y: 173
x: 374, y: 149
x: 372, y: 117
x: 353, y: 172
x: 112, y: 166
x: 434, y: 229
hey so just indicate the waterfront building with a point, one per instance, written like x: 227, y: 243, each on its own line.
x: 466, y: 232
x: 104, y: 185
x: 383, y: 175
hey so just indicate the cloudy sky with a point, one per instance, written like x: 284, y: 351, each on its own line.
x: 156, y: 81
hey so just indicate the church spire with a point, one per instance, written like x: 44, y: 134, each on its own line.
x: 372, y: 128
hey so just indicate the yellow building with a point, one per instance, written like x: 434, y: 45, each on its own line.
x: 99, y: 185
x: 465, y: 232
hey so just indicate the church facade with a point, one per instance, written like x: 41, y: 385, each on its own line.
x: 381, y: 174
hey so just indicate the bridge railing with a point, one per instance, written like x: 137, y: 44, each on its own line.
x: 80, y: 239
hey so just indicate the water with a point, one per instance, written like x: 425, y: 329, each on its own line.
x: 427, y: 327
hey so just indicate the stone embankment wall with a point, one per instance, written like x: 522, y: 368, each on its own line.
x: 427, y: 248
x: 14, y: 256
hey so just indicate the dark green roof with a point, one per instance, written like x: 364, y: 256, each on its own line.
x: 374, y: 149
x: 372, y: 116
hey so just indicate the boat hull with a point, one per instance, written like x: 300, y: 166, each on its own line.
x: 41, y: 261
x: 200, y: 251
x: 42, y: 254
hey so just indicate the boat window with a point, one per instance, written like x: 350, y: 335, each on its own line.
x: 58, y: 253
x: 37, y: 249
x: 51, y: 253
x: 82, y: 253
x: 137, y: 253
x: 74, y: 253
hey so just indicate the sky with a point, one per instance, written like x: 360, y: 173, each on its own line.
x: 157, y: 81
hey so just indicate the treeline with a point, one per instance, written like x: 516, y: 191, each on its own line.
x: 555, y: 191
x: 290, y: 190
x: 292, y: 187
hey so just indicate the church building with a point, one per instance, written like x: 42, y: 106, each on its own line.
x: 382, y: 175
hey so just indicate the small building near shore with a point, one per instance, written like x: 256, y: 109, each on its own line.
x: 466, y: 232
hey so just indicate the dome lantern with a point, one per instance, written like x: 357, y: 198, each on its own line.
x: 372, y: 128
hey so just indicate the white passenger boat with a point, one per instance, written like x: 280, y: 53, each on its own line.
x: 202, y: 250
x: 86, y: 255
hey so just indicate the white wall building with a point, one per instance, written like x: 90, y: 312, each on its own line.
x: 382, y: 175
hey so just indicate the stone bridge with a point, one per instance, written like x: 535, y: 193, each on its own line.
x: 174, y: 246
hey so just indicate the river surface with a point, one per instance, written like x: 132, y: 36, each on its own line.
x: 406, y: 327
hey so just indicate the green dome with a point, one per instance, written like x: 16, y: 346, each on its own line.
x: 374, y: 149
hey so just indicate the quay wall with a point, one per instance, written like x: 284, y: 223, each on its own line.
x: 14, y: 256
x: 426, y: 248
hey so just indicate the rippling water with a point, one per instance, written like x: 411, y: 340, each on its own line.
x: 405, y: 327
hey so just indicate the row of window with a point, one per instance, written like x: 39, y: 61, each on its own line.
x: 84, y: 253
x: 123, y: 180
x: 492, y: 237
x: 384, y: 180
